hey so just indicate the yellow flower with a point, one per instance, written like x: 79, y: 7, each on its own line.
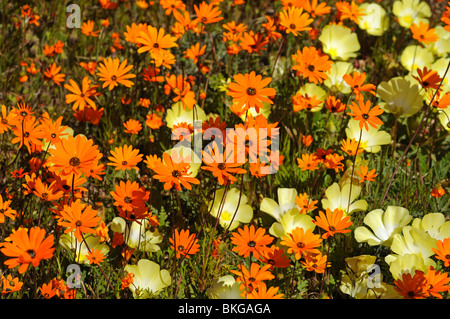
x: 339, y: 42
x: 375, y: 21
x: 400, y: 96
x: 337, y: 197
x: 409, y: 12
x: 225, y: 287
x: 231, y: 208
x: 434, y: 224
x: 286, y: 201
x: 149, y: 279
x: 311, y: 89
x: 444, y: 118
x: 178, y: 114
x: 383, y: 225
x: 289, y: 221
x: 69, y: 242
x: 416, y: 57
x: 335, y: 82
x: 138, y: 235
x: 371, y: 140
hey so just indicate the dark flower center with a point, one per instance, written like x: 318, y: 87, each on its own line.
x: 300, y: 245
x: 31, y: 252
x: 332, y: 228
x: 124, y: 163
x: 74, y: 161
x: 365, y: 116
x: 78, y: 223
x: 4, y: 121
x: 447, y: 257
x: 113, y: 78
x: 155, y: 45
x: 251, y: 91
x: 180, y: 247
x: 127, y: 200
x: 176, y: 173
x: 251, y: 243
x: 292, y: 26
x: 311, y: 67
x: 221, y: 166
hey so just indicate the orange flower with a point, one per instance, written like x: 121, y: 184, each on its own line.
x: 129, y: 196
x: 275, y: 257
x: 28, y: 133
x: 356, y: 82
x: 156, y: 42
x: 32, y: 69
x: 172, y: 5
x: 443, y: 251
x: 349, y: 11
x: 307, y: 140
x: 150, y: 74
x: 7, y: 120
x: 174, y: 173
x: 47, y: 291
x: 207, y: 13
x: 184, y: 243
x: 264, y: 293
x: 124, y: 158
x: 253, y: 279
x: 333, y: 222
x: 438, y: 192
x: 53, y: 74
x: 315, y: 262
x: 95, y: 256
x: 186, y: 96
x: 271, y: 29
x: 74, y: 155
x: 195, y: 52
x: 412, y: 287
x: 53, y: 131
x: 250, y: 241
x: 132, y: 126
x: 295, y: 20
x: 154, y: 121
x: 216, y: 163
x: 89, y: 66
x: 87, y: 28
x: 250, y: 91
x: 311, y: 64
x: 365, y: 174
x: 315, y: 9
x: 366, y: 115
x: 49, y: 50
x: 306, y: 205
x: 27, y: 247
x: 428, y: 79
x: 301, y: 242
x: 45, y: 191
x: 308, y: 162
x: 349, y: 146
x: 305, y: 102
x: 113, y: 74
x: 81, y: 97
x: 334, y: 105
x: 423, y: 33
x: 80, y: 218
x: 10, y: 284
x: 253, y: 42
x: 333, y: 161
x: 6, y: 210
x: 437, y: 281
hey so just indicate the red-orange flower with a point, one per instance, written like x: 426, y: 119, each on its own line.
x: 53, y: 74
x: 27, y: 247
x: 423, y: 33
x: 412, y: 287
x: 356, y: 82
x: 443, y: 251
x: 95, y: 256
x: 185, y: 244
x: 428, y: 79
x: 301, y: 242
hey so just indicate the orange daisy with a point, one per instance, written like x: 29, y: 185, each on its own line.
x: 333, y: 222
x: 53, y: 74
x: 253, y: 278
x: 412, y: 287
x: 81, y: 97
x: 366, y: 115
x: 315, y: 262
x: 356, y: 82
x: 80, y: 218
x: 264, y: 293
x: 174, y: 173
x: 27, y: 247
x: 308, y: 162
x: 207, y: 13
x: 185, y: 244
x: 334, y: 105
x: 301, y: 242
x: 250, y: 90
x: 305, y: 204
x: 113, y: 73
x: 275, y: 257
x: 195, y: 52
x: 311, y: 64
x: 349, y: 11
x: 132, y: 126
x: 87, y: 28
x: 95, y: 256
x: 438, y: 281
x: 295, y: 20
x: 74, y: 155
x: 423, y: 33
x: 29, y: 133
x: 316, y: 9
x: 365, y: 174
x: 124, y: 158
x: 156, y: 42
x: 129, y: 196
x: 428, y: 79
x: 250, y: 241
x: 443, y: 251
x: 350, y: 145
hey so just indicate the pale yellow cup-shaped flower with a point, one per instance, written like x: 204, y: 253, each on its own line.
x: 335, y: 81
x: 286, y: 201
x: 409, y: 12
x: 338, y: 197
x: 225, y: 287
x: 339, y: 42
x: 371, y: 140
x: 416, y: 57
x: 148, y: 280
x: 375, y: 21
